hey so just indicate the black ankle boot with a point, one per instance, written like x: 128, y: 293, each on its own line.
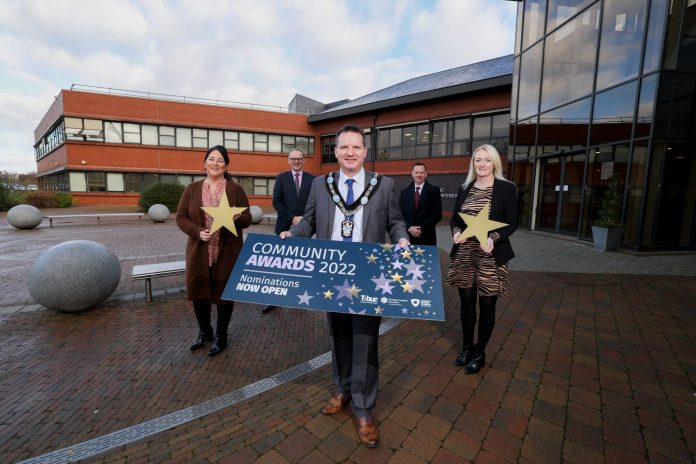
x: 478, y: 360
x: 465, y: 356
x: 199, y: 342
x: 219, y: 345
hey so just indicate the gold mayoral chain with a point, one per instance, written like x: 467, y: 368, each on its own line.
x: 350, y: 210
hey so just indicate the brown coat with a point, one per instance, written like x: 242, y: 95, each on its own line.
x: 191, y: 220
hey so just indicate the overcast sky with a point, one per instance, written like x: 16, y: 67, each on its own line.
x: 259, y: 51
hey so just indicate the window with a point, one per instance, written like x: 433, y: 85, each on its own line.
x: 231, y: 140
x: 73, y: 129
x: 200, y: 138
x: 183, y: 137
x: 78, y: 182
x: 288, y: 143
x: 275, y: 144
x: 246, y: 141
x: 461, y: 140
x: 481, y: 132
x: 96, y: 182
x: 168, y: 178
x: 260, y: 142
x: 133, y: 182
x: 612, y: 119
x: 131, y: 133
x: 166, y: 136
x: 149, y: 135
x: 114, y: 182
x: 530, y: 76
x: 302, y: 143
x: 440, y: 138
x: 260, y: 186
x: 328, y: 144
x: 215, y: 138
x: 113, y: 132
x: 93, y: 130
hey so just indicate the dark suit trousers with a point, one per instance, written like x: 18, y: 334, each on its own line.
x: 354, y: 345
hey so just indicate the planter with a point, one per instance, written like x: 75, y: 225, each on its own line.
x: 606, y: 239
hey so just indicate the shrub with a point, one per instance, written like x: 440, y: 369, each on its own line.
x: 166, y: 194
x: 64, y: 199
x: 609, y: 214
x: 41, y: 199
x: 9, y: 198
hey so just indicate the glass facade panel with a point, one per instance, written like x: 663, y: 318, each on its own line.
x: 183, y: 137
x: 439, y: 146
x: 560, y: 10
x: 620, y: 46
x: 613, y: 114
x: 530, y: 76
x: 636, y: 190
x: 569, y: 60
x: 656, y: 33
x: 481, y: 132
x: 565, y: 126
x: 534, y: 18
x: 646, y: 106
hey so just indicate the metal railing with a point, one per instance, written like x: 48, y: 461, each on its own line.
x: 185, y: 99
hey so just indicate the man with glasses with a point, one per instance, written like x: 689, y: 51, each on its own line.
x: 290, y: 196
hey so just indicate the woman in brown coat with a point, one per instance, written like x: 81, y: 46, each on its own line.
x: 211, y: 257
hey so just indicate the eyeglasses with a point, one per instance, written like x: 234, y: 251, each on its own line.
x: 296, y: 160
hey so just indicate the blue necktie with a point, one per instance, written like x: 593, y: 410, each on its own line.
x: 349, y: 201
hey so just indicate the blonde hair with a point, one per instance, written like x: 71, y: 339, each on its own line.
x: 497, y: 164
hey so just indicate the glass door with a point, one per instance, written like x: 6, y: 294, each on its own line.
x: 561, y: 194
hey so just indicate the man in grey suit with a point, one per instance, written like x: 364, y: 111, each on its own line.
x: 353, y: 205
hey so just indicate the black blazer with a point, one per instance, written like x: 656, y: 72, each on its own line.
x: 286, y: 201
x: 503, y: 209
x: 427, y: 215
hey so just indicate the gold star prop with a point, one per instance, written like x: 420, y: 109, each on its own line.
x: 328, y: 294
x: 354, y: 290
x: 396, y: 277
x: 387, y: 247
x: 372, y: 258
x: 223, y: 215
x: 478, y: 226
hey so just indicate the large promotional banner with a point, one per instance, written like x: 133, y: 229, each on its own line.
x: 346, y: 277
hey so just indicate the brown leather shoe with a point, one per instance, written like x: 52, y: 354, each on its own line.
x: 367, y: 431
x: 336, y: 404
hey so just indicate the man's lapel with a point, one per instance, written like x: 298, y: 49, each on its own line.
x: 368, y: 206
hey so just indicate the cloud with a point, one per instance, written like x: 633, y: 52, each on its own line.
x: 260, y: 51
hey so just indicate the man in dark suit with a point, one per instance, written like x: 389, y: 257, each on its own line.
x: 345, y: 205
x: 290, y: 194
x: 421, y: 206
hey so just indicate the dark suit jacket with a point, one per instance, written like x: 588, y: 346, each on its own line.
x: 381, y: 215
x: 503, y: 209
x: 285, y: 199
x: 427, y: 215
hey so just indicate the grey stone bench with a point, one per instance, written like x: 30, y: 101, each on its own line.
x: 95, y: 215
x: 151, y: 271
x: 270, y: 217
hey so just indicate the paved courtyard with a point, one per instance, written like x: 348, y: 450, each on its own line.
x: 592, y: 359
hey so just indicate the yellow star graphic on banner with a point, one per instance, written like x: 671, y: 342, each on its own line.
x: 328, y: 294
x: 396, y: 277
x: 223, y: 215
x: 405, y: 254
x: 408, y: 288
x: 372, y: 258
x: 387, y: 247
x: 419, y: 251
x: 478, y: 226
x: 379, y: 310
x: 354, y: 290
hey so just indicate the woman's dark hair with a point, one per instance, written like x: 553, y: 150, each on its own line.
x: 223, y: 151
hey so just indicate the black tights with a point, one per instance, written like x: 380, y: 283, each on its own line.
x: 468, y: 316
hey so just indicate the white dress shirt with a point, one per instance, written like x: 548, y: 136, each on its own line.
x: 358, y: 188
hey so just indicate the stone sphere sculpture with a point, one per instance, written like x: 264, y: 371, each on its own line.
x: 24, y: 217
x: 256, y: 214
x: 158, y: 213
x: 74, y: 276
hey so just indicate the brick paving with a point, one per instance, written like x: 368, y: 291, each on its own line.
x: 584, y: 367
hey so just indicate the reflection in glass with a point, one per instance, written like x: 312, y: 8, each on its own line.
x: 566, y: 125
x: 530, y: 75
x: 534, y: 12
x: 646, y: 105
x: 677, y: 197
x: 550, y: 193
x: 622, y: 36
x: 561, y: 10
x: 636, y: 188
x: 613, y: 114
x: 656, y: 32
x: 569, y: 60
